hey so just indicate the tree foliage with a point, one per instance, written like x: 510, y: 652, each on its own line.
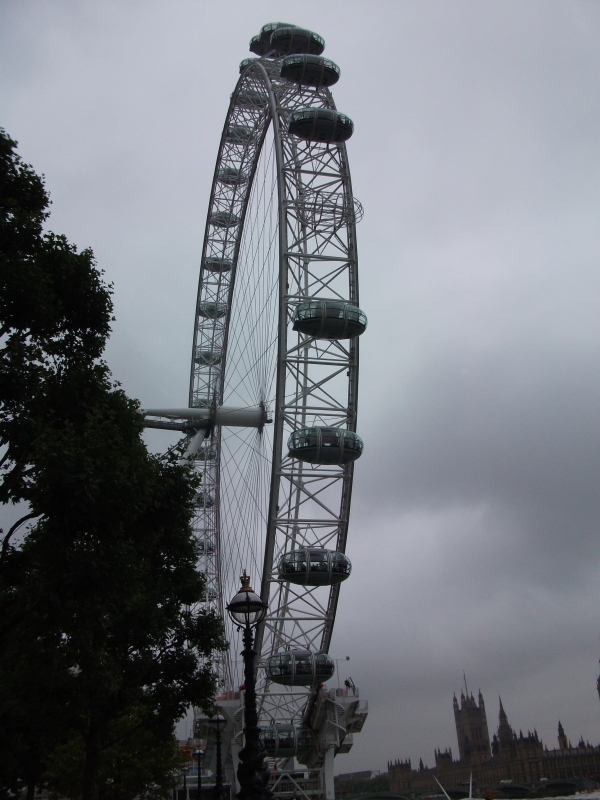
x: 55, y: 313
x: 138, y: 758
x: 99, y: 651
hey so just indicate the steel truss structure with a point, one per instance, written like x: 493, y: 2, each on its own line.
x: 280, y: 230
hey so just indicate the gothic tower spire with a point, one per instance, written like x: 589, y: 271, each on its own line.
x: 563, y: 742
x: 502, y: 715
x: 471, y: 728
x: 505, y: 732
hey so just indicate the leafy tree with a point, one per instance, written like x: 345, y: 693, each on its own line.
x: 138, y: 758
x: 55, y: 314
x: 100, y: 652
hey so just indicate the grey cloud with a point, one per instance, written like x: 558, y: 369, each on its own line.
x: 518, y: 426
x: 475, y: 524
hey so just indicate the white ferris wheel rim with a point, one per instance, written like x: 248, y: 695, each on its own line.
x: 312, y: 253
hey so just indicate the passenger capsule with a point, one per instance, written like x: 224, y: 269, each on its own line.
x: 206, y: 546
x: 206, y: 453
x: 314, y: 566
x: 290, y: 40
x: 211, y: 310
x: 310, y: 70
x: 325, y: 445
x: 299, y: 668
x: 207, y: 358
x: 261, y: 43
x: 320, y: 125
x: 231, y: 176
x: 205, y: 500
x: 209, y: 594
x: 215, y: 264
x: 224, y: 219
x: 285, y: 740
x: 200, y: 401
x: 250, y: 98
x: 239, y: 134
x: 333, y: 210
x: 329, y: 319
x: 245, y: 63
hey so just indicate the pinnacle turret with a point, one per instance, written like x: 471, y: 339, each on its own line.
x: 563, y: 742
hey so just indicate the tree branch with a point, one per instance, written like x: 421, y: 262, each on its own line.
x: 13, y: 529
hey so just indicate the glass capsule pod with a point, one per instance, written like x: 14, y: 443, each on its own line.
x: 231, y: 176
x: 209, y: 594
x: 211, y: 310
x: 314, y: 566
x: 320, y: 445
x: 206, y: 546
x: 224, y: 219
x: 207, y: 358
x: 261, y: 43
x: 244, y: 63
x: 285, y: 740
x: 205, y: 500
x: 200, y: 401
x: 251, y: 98
x: 288, y: 40
x: 308, y: 70
x: 329, y: 319
x: 205, y: 453
x: 332, y: 209
x: 320, y: 125
x: 216, y: 264
x: 299, y: 668
x: 239, y: 134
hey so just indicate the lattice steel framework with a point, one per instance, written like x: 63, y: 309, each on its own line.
x: 280, y: 229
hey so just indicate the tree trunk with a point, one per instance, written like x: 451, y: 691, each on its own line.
x: 92, y: 764
x: 30, y: 790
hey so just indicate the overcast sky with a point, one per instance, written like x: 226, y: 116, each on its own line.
x: 475, y: 527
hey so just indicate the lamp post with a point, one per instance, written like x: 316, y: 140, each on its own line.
x: 247, y: 610
x: 198, y: 756
x: 219, y: 721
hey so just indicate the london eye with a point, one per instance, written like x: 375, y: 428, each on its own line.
x: 271, y: 421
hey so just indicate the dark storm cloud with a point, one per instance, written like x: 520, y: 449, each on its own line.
x: 476, y: 522
x: 476, y: 517
x: 517, y: 428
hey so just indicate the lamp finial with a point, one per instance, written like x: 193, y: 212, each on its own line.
x: 246, y: 583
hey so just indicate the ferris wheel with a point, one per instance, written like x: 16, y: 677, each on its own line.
x: 271, y: 419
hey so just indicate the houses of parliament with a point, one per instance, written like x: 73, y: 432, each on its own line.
x: 507, y: 757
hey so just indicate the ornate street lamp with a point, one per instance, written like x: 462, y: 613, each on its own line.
x: 219, y: 722
x: 199, y: 755
x: 185, y: 790
x: 247, y: 610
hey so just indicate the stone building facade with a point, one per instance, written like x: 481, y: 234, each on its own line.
x: 471, y: 729
x: 507, y: 757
